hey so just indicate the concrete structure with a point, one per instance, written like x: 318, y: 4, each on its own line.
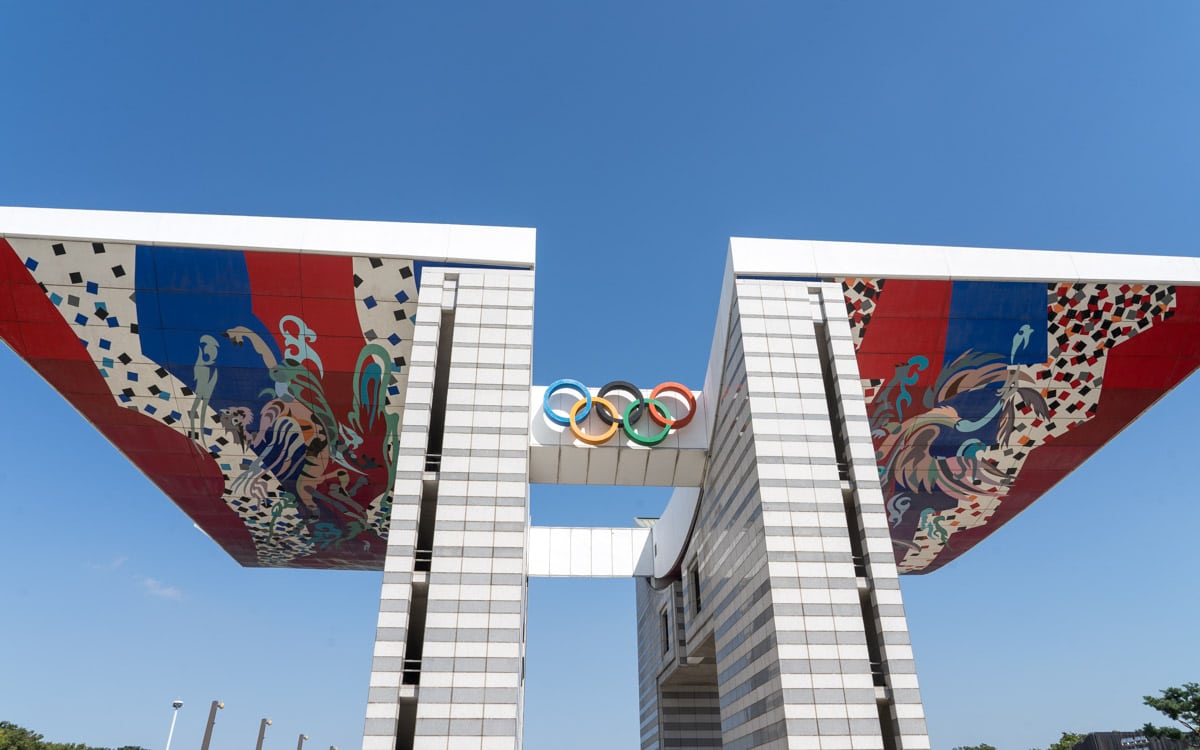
x: 1127, y: 741
x: 359, y: 395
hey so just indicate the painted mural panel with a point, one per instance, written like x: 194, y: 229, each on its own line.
x: 983, y: 395
x: 261, y: 391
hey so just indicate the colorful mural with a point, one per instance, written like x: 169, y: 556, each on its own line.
x: 984, y: 394
x: 263, y: 392
x: 271, y: 381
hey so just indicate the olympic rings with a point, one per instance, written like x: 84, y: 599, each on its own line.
x: 611, y: 416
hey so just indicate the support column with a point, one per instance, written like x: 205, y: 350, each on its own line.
x: 801, y: 603
x: 392, y: 689
x: 901, y: 711
x: 472, y: 664
x: 814, y: 622
x: 448, y: 671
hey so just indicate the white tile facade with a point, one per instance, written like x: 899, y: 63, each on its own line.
x: 467, y: 498
x: 798, y: 616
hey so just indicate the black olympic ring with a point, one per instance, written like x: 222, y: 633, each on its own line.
x: 625, y: 386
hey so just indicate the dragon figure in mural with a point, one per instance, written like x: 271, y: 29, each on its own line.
x: 937, y: 458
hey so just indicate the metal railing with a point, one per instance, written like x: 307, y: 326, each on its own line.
x: 878, y: 675
x: 411, y: 672
x: 423, y: 560
x: 860, y: 566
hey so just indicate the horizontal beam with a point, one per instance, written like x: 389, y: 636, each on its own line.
x: 557, y: 552
x: 828, y: 260
x: 506, y: 246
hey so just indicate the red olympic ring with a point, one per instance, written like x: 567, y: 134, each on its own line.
x: 679, y: 390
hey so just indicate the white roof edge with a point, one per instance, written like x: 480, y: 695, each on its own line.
x: 484, y: 245
x: 815, y: 258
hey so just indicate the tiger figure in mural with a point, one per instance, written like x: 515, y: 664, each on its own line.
x: 320, y: 462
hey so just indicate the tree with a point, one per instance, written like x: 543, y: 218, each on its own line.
x: 984, y: 746
x: 1181, y: 704
x: 1067, y: 741
x: 13, y: 737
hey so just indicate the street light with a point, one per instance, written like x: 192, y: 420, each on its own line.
x: 300, y: 742
x: 212, y: 719
x: 175, y: 704
x: 262, y: 730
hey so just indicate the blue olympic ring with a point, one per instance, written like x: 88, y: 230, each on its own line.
x: 559, y: 385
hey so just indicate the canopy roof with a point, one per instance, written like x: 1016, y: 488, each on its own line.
x: 989, y: 375
x: 253, y: 368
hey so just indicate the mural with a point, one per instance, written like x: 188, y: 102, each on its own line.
x: 270, y: 380
x: 263, y: 392
x: 982, y: 395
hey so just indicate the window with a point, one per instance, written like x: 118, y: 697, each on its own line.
x: 666, y: 632
x: 695, y: 582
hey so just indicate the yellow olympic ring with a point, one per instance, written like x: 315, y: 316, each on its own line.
x: 583, y: 436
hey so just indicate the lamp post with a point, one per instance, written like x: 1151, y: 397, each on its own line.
x: 262, y: 730
x: 175, y: 704
x: 300, y: 742
x: 212, y: 719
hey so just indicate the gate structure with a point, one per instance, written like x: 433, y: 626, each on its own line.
x: 358, y: 395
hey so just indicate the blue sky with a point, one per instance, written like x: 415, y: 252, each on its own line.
x: 636, y: 137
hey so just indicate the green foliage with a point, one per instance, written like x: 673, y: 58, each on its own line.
x: 1172, y: 733
x: 13, y: 737
x: 1067, y: 741
x: 983, y: 746
x: 1180, y: 704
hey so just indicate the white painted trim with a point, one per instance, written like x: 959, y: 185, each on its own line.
x: 810, y: 258
x: 566, y: 552
x: 673, y: 531
x: 508, y: 246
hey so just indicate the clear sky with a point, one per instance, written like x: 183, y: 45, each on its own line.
x: 636, y: 137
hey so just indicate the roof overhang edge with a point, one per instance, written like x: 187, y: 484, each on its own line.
x: 447, y: 243
x: 828, y: 260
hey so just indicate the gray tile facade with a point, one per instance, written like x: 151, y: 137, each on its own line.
x: 785, y: 627
x: 798, y: 616
x: 469, y: 488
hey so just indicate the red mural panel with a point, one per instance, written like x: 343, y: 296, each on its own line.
x: 260, y: 391
x: 980, y: 409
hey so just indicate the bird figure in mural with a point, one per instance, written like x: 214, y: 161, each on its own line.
x: 907, y: 455
x: 1020, y: 341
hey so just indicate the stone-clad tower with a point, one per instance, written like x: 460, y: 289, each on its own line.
x: 785, y: 626
x: 450, y: 650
